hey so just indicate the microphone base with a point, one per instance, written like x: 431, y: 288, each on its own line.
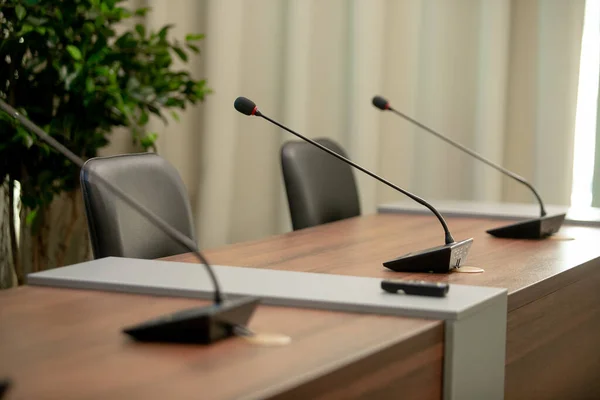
x: 441, y: 259
x: 537, y: 228
x: 199, y: 325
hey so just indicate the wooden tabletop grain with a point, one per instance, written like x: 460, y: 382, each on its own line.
x: 529, y: 269
x: 67, y: 344
x: 64, y: 341
x: 553, y: 346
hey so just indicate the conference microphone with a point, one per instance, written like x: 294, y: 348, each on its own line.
x: 536, y: 228
x: 202, y: 325
x: 439, y: 259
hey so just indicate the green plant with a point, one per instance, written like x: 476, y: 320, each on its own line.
x: 66, y: 65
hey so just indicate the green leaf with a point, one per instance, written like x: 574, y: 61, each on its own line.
x: 194, y: 37
x: 103, y: 70
x: 98, y: 56
x: 140, y: 29
x: 74, y: 52
x: 20, y: 11
x: 143, y: 118
x: 99, y: 21
x: 77, y: 72
x: 174, y: 102
x: 89, y: 85
x: 88, y: 28
x: 180, y: 53
x: 127, y: 41
x: 141, y: 12
x: 26, y: 28
x: 25, y: 137
x: 156, y: 111
x: 193, y: 48
x: 45, y: 149
x: 35, y: 222
x: 123, y: 13
x: 31, y: 217
x: 149, y: 140
x: 163, y: 32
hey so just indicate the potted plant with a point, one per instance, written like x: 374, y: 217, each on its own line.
x: 74, y: 69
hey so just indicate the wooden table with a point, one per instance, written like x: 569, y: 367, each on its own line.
x: 553, y: 337
x: 66, y: 344
x: 553, y: 348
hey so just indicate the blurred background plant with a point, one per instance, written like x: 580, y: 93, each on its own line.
x: 73, y: 68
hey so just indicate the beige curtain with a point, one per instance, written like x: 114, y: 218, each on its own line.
x: 497, y: 75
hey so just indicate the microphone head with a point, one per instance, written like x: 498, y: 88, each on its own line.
x: 245, y: 106
x: 381, y: 103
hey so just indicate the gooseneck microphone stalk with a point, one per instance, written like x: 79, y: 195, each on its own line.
x: 439, y: 259
x: 533, y: 229
x: 383, y: 104
x: 244, y: 105
x: 189, y: 326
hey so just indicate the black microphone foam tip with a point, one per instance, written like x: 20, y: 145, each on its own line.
x: 245, y: 106
x: 381, y: 103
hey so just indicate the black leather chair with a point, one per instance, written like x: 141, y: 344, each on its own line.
x: 118, y: 230
x: 319, y: 187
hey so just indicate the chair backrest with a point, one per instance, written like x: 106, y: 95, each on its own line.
x: 319, y: 187
x: 116, y: 229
